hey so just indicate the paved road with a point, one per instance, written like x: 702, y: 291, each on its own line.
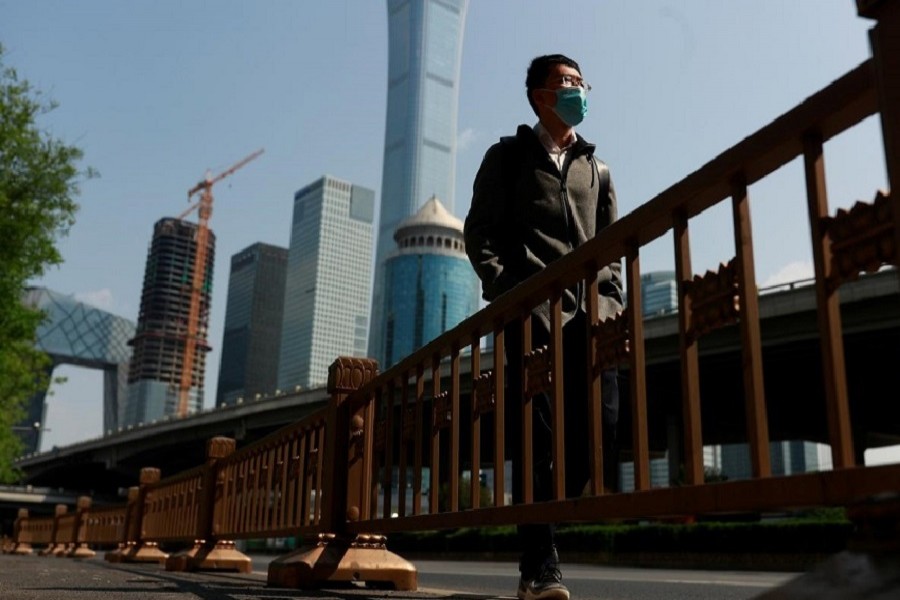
x: 587, y: 582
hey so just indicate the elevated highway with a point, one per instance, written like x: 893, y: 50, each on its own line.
x: 871, y: 317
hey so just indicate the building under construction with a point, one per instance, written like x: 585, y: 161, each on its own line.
x: 157, y: 363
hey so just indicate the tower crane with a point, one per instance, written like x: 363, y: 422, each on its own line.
x: 204, y: 212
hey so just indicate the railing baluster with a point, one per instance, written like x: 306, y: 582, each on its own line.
x: 639, y: 434
x: 527, y: 404
x: 757, y: 424
x: 557, y: 400
x: 829, y: 310
x: 594, y: 416
x: 475, y: 492
x: 454, y: 428
x: 435, y: 435
x: 418, y: 440
x: 404, y: 445
x: 389, y: 450
x: 688, y: 347
x: 499, y: 414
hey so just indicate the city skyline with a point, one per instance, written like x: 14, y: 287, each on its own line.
x: 127, y: 80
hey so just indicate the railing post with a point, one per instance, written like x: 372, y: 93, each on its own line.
x: 58, y: 546
x: 129, y: 529
x: 58, y: 510
x: 142, y: 551
x: 340, y: 556
x: 885, y: 41
x: 79, y: 548
x: 21, y: 542
x: 210, y: 552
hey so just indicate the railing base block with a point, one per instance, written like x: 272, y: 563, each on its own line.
x: 82, y: 551
x: 221, y: 557
x: 115, y: 556
x: 146, y: 552
x: 343, y: 561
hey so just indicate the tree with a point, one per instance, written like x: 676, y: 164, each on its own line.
x: 39, y: 180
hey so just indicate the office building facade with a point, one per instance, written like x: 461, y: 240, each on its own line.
x: 154, y: 376
x: 328, y: 284
x: 429, y: 286
x: 425, y: 48
x: 252, y: 339
x: 659, y: 293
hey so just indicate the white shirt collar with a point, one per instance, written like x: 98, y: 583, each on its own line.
x: 547, y: 140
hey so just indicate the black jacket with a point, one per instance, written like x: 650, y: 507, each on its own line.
x: 514, y: 231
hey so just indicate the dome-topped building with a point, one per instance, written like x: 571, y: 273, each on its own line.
x: 430, y: 286
x: 432, y: 227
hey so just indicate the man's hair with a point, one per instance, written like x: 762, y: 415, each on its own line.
x: 539, y: 70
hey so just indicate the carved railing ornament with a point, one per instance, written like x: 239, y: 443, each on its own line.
x: 441, y: 412
x: 538, y: 371
x: 715, y: 301
x: 485, y: 399
x: 348, y: 374
x: 610, y: 339
x: 862, y: 239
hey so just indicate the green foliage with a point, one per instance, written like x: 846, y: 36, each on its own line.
x: 485, y: 497
x: 809, y: 535
x: 38, y: 182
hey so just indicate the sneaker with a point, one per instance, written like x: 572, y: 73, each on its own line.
x: 523, y: 586
x: 547, y: 585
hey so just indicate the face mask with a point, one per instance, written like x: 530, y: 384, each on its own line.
x: 571, y: 105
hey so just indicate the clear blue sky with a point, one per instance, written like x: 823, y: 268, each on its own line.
x: 156, y: 92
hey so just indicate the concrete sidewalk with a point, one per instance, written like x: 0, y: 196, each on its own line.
x: 51, y: 578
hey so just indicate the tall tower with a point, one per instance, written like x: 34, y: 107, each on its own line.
x: 154, y: 376
x: 425, y: 48
x: 252, y: 339
x: 329, y: 276
x: 429, y: 286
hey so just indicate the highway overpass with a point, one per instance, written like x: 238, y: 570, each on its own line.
x: 871, y: 319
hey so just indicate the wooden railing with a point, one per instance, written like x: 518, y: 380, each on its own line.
x: 328, y: 474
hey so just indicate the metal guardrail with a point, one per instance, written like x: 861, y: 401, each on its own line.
x: 329, y: 473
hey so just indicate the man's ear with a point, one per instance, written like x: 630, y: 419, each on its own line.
x: 543, y: 97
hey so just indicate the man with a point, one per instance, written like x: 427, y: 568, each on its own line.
x: 536, y: 197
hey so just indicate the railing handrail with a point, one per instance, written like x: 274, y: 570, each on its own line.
x: 852, y: 98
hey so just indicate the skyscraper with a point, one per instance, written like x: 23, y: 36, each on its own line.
x: 425, y: 47
x: 659, y: 293
x: 154, y: 377
x: 429, y: 286
x: 329, y: 275
x: 252, y: 339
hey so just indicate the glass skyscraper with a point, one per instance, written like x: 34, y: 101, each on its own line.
x: 425, y: 48
x: 328, y: 285
x: 429, y: 286
x: 252, y: 339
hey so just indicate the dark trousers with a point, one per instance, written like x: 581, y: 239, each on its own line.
x: 537, y: 539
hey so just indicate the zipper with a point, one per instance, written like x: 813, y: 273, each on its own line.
x: 569, y: 222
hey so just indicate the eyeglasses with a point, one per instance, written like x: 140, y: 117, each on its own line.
x: 569, y: 81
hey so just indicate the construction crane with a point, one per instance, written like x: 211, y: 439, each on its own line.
x: 204, y: 212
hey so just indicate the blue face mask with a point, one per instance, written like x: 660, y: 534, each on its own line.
x: 571, y: 105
